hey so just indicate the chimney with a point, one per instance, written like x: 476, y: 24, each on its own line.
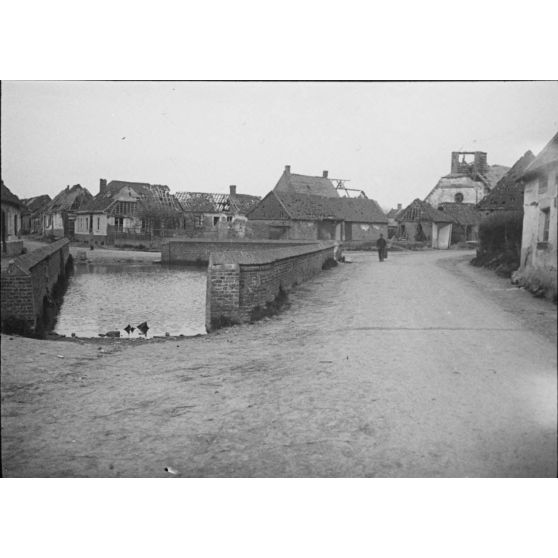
x: 399, y: 207
x: 102, y: 185
x: 324, y: 174
x: 232, y: 188
x: 287, y: 170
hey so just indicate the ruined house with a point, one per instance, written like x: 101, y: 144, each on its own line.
x: 500, y: 229
x: 470, y: 180
x: 11, y: 221
x: 420, y: 222
x: 507, y: 195
x: 11, y: 213
x: 32, y: 216
x: 539, y: 238
x: 466, y: 221
x: 128, y: 208
x: 295, y: 216
x: 392, y: 221
x: 209, y: 215
x: 60, y: 214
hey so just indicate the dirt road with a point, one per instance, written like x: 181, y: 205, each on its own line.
x: 418, y: 366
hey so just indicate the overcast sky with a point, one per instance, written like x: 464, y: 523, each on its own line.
x: 393, y: 140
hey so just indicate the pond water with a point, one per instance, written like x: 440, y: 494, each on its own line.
x: 102, y: 298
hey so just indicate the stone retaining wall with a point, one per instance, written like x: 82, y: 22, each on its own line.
x: 196, y: 251
x: 29, y: 279
x: 240, y: 281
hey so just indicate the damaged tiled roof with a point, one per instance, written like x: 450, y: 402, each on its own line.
x: 392, y: 213
x: 205, y: 202
x: 548, y: 156
x: 508, y: 193
x: 242, y: 203
x: 422, y: 211
x: 159, y: 195
x: 36, y: 203
x: 8, y: 197
x: 146, y: 194
x: 462, y: 213
x: 494, y: 173
x: 101, y: 202
x: 316, y: 208
x: 69, y: 199
x: 114, y: 186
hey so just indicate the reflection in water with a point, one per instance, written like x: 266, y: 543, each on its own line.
x: 102, y: 298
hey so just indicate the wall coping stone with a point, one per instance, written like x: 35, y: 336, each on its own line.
x: 233, y: 241
x: 269, y: 255
x: 27, y: 261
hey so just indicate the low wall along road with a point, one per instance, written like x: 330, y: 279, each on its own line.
x: 29, y: 281
x: 197, y: 251
x: 242, y: 282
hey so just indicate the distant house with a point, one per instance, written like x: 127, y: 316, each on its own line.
x: 32, y: 217
x: 507, y: 195
x: 362, y: 220
x: 11, y: 216
x: 59, y: 215
x: 392, y: 221
x: 470, y: 180
x: 291, y: 183
x: 295, y: 216
x: 209, y: 215
x: 539, y: 242
x: 420, y: 222
x: 466, y: 219
x: 128, y: 208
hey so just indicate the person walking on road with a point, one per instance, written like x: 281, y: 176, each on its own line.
x: 381, y: 245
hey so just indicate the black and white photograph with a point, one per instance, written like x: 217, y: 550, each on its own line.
x: 278, y: 279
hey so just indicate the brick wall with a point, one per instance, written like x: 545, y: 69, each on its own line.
x: 197, y: 251
x: 222, y: 294
x: 31, y: 277
x: 17, y: 297
x: 238, y: 282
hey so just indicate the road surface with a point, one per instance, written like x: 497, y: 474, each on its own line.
x: 420, y: 366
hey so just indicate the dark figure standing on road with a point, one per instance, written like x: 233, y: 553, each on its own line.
x: 381, y: 245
